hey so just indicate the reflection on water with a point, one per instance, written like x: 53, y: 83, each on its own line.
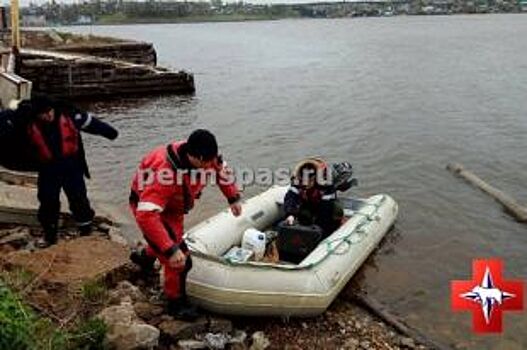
x: 398, y: 97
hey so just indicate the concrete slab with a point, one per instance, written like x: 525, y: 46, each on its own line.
x: 13, y: 87
x: 19, y: 205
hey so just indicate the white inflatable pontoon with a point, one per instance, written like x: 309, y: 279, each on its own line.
x: 281, y: 289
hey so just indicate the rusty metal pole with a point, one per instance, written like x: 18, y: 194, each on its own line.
x: 15, y: 26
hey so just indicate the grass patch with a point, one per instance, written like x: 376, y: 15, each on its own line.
x: 21, y: 328
x: 16, y: 278
x: 88, y: 335
x: 94, y: 292
x: 16, y: 321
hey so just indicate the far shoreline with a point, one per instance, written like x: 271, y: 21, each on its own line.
x: 153, y: 21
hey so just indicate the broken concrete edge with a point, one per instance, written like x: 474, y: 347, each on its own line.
x: 16, y: 178
x: 126, y: 79
x: 29, y: 217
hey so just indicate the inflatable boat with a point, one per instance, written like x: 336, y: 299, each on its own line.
x: 281, y: 289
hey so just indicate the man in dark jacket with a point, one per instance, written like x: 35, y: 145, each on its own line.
x: 54, y: 134
x: 15, y: 154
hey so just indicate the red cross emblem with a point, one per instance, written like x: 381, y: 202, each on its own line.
x: 487, y: 295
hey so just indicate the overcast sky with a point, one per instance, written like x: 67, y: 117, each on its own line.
x: 27, y: 2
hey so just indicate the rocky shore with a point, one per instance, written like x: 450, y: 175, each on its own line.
x: 90, y: 277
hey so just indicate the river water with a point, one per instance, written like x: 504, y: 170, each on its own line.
x: 398, y: 97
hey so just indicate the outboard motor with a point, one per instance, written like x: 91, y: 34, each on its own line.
x: 342, y: 176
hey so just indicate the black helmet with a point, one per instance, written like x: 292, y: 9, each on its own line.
x: 202, y: 144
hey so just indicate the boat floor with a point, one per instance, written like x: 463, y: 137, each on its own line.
x: 350, y: 205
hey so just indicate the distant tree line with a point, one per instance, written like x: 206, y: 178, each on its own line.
x: 68, y: 13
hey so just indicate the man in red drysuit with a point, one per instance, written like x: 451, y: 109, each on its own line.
x: 164, y: 189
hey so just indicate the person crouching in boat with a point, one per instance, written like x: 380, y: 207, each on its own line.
x: 312, y: 197
x: 168, y: 181
x: 54, y: 134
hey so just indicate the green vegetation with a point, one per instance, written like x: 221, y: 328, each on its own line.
x: 21, y: 328
x: 17, y: 278
x: 88, y: 335
x: 121, y: 18
x: 114, y: 18
x: 94, y: 292
x: 16, y: 322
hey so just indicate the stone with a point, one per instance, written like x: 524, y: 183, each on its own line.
x: 219, y: 325
x: 239, y: 337
x: 351, y: 344
x: 123, y: 289
x: 177, y: 330
x: 190, y: 344
x: 216, y: 340
x: 166, y: 317
x: 407, y: 343
x: 116, y: 237
x: 147, y: 311
x: 260, y: 341
x: 17, y: 239
x: 237, y: 346
x: 118, y: 315
x: 134, y: 337
x: 126, y: 331
x: 365, y: 344
x: 126, y: 299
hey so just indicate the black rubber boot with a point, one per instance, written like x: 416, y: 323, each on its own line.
x: 182, y: 309
x: 85, y: 230
x: 145, y: 262
x: 51, y: 234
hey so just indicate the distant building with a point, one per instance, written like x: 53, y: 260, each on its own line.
x: 34, y: 21
x: 523, y: 5
x: 83, y: 20
x: 428, y: 10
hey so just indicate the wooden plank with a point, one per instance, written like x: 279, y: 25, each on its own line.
x: 518, y: 211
